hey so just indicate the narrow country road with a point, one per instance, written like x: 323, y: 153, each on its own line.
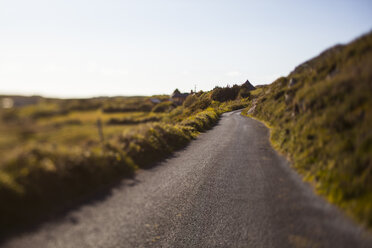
x: 228, y: 188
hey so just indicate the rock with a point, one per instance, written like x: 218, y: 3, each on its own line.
x: 252, y: 110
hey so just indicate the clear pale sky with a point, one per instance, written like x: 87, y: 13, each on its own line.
x: 141, y: 47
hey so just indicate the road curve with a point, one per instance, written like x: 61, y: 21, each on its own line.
x: 228, y: 188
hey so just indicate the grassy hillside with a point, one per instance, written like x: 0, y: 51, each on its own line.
x: 321, y: 117
x: 53, y: 152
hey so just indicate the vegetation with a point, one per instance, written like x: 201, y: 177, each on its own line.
x: 165, y: 106
x: 136, y: 104
x: 321, y: 116
x: 54, y: 152
x: 225, y: 94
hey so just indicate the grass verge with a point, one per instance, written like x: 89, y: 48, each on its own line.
x: 41, y: 179
x: 320, y: 116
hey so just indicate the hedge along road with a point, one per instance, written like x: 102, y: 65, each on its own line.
x: 228, y: 188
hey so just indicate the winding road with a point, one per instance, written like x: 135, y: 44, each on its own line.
x: 228, y: 188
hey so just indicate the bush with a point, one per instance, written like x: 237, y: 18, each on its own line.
x: 41, y: 178
x: 163, y: 107
x: 202, y: 121
x: 129, y: 104
x: 201, y: 103
x: 82, y: 104
x: 225, y: 94
x: 190, y: 99
x: 244, y: 93
x: 154, y: 142
x: 132, y: 121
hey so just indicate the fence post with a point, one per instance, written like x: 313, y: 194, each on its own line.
x: 100, y: 130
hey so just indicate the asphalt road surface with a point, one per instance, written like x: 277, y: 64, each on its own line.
x: 228, y: 188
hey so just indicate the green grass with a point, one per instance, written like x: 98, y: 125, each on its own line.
x: 53, y: 159
x: 323, y: 123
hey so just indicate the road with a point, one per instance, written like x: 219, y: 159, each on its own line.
x: 228, y: 188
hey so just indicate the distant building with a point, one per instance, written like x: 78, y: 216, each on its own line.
x: 178, y: 98
x: 10, y: 101
x: 7, y: 103
x: 18, y: 101
x: 248, y: 85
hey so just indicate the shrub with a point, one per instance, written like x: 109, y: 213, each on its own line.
x: 162, y: 107
x: 225, y: 94
x: 244, y: 93
x: 41, y: 178
x: 132, y: 121
x: 190, y: 99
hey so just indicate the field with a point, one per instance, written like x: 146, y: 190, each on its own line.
x: 54, y: 152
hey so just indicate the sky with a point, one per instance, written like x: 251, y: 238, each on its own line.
x: 91, y: 48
